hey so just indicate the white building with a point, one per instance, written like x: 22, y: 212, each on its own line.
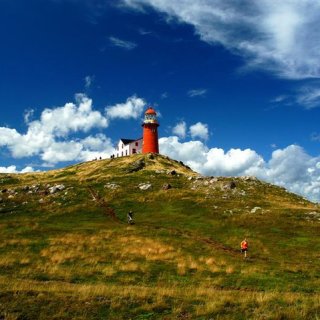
x: 127, y: 147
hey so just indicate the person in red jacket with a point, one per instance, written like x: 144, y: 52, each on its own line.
x: 244, y: 247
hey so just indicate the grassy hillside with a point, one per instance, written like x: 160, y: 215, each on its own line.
x: 66, y: 251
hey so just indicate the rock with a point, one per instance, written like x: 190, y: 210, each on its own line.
x: 4, y: 190
x: 150, y: 156
x: 314, y: 214
x: 111, y: 186
x: 255, y: 209
x: 43, y: 192
x: 166, y: 186
x: 1, y: 200
x: 159, y: 171
x: 41, y: 200
x: 26, y: 188
x: 11, y: 196
x: 213, y: 180
x: 35, y: 187
x: 248, y: 178
x: 136, y: 166
x: 145, y: 186
x: 172, y: 172
x: 190, y: 178
x: 56, y: 188
x: 53, y: 190
x: 229, y: 186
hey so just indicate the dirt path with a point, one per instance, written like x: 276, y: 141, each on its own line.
x: 104, y: 205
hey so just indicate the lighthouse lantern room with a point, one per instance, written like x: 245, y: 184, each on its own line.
x: 150, y: 132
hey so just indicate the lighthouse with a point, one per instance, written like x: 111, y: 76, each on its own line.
x: 150, y: 132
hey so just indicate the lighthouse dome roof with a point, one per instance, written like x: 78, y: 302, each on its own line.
x: 150, y: 111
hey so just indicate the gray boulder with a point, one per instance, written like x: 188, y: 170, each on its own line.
x: 136, y: 166
x: 229, y: 185
x: 145, y: 186
x: 111, y: 186
x: 255, y: 209
x: 166, y: 186
x: 56, y: 188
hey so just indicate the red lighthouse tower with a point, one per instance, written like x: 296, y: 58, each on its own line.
x: 150, y: 132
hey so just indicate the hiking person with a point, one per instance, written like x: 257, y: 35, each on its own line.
x: 244, y: 247
x: 130, y: 217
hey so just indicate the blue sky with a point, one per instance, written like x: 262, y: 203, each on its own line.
x: 237, y: 86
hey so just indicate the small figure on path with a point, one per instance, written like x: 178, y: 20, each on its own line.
x: 130, y: 217
x: 244, y: 247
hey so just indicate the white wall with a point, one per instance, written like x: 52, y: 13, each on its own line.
x: 126, y: 150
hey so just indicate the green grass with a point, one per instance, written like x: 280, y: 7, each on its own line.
x: 66, y: 258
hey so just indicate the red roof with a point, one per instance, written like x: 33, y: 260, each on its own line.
x: 150, y: 111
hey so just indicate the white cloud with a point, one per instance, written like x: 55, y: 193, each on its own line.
x: 180, y: 129
x: 72, y: 118
x: 54, y: 123
x: 132, y: 108
x: 13, y: 169
x: 199, y: 130
x: 28, y: 114
x: 309, y: 97
x: 27, y: 169
x: 197, y: 93
x: 88, y: 80
x: 279, y: 36
x: 128, y: 45
x: 290, y: 167
x: 53, y: 137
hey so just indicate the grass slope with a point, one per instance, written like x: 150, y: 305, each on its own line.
x: 64, y: 256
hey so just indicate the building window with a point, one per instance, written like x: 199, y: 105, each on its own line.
x: 134, y: 151
x: 137, y: 143
x: 126, y: 152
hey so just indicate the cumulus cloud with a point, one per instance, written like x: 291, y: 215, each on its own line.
x: 72, y: 117
x: 290, y: 167
x: 55, y: 123
x: 13, y: 169
x: 199, y: 130
x: 278, y: 36
x: 197, y: 93
x: 54, y: 137
x: 180, y: 129
x: 132, y: 108
x: 127, y: 45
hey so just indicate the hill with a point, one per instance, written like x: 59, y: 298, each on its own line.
x: 66, y: 251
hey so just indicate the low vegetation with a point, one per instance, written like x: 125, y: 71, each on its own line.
x: 66, y: 251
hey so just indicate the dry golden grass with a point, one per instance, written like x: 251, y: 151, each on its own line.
x: 212, y: 300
